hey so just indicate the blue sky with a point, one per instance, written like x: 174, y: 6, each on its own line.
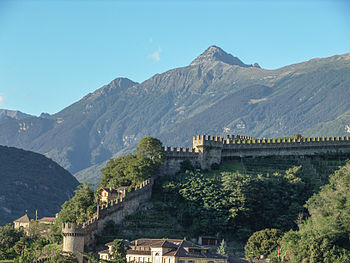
x: 52, y: 53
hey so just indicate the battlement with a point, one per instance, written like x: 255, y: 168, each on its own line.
x: 76, y: 236
x: 287, y: 140
x: 207, y: 150
x: 179, y: 152
x: 72, y: 229
x: 207, y: 140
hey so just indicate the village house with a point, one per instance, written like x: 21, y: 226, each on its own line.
x: 110, y: 194
x: 22, y: 223
x: 166, y: 251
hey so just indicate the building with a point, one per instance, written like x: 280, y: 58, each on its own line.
x: 166, y: 251
x: 47, y: 220
x: 22, y: 223
x: 110, y: 194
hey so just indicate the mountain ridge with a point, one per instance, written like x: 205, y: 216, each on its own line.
x: 213, y: 97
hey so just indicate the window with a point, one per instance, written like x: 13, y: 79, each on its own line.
x: 181, y: 261
x: 191, y: 261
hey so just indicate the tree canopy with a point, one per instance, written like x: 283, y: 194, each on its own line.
x: 234, y: 203
x: 134, y: 168
x: 324, y: 236
x: 262, y: 243
x: 80, y: 207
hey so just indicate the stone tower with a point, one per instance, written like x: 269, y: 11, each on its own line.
x: 73, y: 239
x: 209, y: 149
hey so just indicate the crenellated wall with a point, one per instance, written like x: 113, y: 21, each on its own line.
x: 303, y: 146
x: 207, y: 150
x: 174, y: 156
x: 76, y: 236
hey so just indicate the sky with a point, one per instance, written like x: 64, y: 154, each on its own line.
x: 53, y: 53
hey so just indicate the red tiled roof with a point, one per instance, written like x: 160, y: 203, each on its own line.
x: 50, y: 219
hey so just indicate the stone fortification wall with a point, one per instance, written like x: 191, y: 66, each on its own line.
x: 303, y: 146
x: 174, y: 156
x: 207, y: 150
x: 76, y: 236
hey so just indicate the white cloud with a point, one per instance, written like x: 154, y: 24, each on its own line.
x: 2, y: 100
x: 156, y: 55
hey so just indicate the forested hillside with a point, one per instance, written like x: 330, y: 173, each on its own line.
x: 30, y: 181
x: 241, y: 197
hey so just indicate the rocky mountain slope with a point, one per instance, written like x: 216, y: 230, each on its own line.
x: 11, y: 115
x: 30, y: 181
x: 215, y: 94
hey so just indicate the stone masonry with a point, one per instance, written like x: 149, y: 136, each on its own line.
x: 77, y: 236
x: 208, y: 150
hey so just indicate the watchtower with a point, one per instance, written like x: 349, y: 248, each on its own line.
x: 73, y: 239
x: 209, y: 149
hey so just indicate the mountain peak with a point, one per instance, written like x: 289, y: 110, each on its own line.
x: 213, y: 54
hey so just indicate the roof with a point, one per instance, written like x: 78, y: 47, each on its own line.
x: 154, y: 242
x: 126, y: 243
x: 104, y: 252
x: 182, y: 252
x: 177, y: 247
x: 23, y: 219
x: 49, y: 219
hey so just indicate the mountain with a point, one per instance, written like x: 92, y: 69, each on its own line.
x: 10, y: 115
x: 30, y: 181
x: 215, y: 94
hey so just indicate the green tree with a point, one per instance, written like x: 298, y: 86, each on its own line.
x: 262, y: 243
x: 76, y: 209
x: 133, y: 169
x: 118, y: 252
x: 222, y: 249
x: 8, y: 238
x: 324, y: 236
x: 150, y: 148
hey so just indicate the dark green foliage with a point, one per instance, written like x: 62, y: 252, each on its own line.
x: 80, y: 207
x: 231, y: 202
x: 118, y: 252
x: 246, y: 195
x: 134, y: 168
x: 8, y: 238
x: 124, y: 171
x: 150, y: 148
x: 186, y: 165
x: 324, y: 237
x: 262, y: 243
x: 30, y: 181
